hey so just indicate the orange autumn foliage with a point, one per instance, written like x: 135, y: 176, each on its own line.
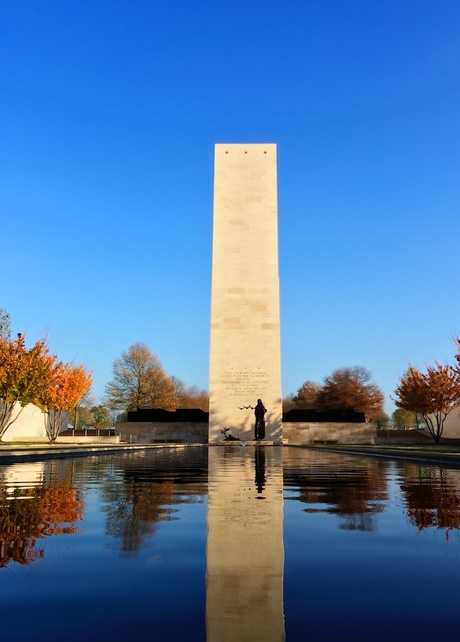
x: 24, y: 375
x: 51, y: 509
x: 433, y: 394
x: 67, y: 385
x: 35, y: 376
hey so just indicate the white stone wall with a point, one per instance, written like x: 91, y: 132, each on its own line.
x: 148, y: 432
x: 77, y: 439
x: 452, y: 425
x: 29, y: 424
x: 341, y: 433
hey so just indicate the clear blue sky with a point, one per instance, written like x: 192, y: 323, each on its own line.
x: 109, y: 115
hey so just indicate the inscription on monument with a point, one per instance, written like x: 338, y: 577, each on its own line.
x: 240, y: 514
x: 244, y: 383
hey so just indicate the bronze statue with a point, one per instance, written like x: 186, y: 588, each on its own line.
x: 259, y: 412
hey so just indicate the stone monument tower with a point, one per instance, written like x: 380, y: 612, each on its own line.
x: 245, y: 324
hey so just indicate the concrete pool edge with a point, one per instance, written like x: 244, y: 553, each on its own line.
x: 449, y: 455
x: 12, y: 453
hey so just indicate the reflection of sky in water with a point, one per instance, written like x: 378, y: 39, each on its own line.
x: 373, y: 540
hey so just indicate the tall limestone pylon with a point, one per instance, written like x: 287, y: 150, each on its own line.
x: 245, y: 320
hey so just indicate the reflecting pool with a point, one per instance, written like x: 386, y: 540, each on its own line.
x: 229, y: 543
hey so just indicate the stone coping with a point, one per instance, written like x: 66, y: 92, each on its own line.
x: 434, y: 453
x: 14, y: 452
x: 11, y: 453
x: 429, y: 453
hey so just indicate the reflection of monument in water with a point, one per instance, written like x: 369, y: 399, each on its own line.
x: 245, y: 327
x: 245, y: 554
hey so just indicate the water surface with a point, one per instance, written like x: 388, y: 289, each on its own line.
x: 229, y: 543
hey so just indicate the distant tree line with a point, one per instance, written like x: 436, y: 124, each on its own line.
x: 34, y: 375
x: 89, y: 415
x: 423, y: 398
x: 344, y: 389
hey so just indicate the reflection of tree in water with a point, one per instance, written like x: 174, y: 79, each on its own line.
x: 133, y: 509
x: 432, y: 497
x: 354, y: 494
x: 359, y: 521
x: 148, y: 494
x: 28, y: 514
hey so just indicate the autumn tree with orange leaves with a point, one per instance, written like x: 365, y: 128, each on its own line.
x: 139, y: 381
x: 351, y: 388
x: 307, y: 395
x: 67, y: 386
x: 432, y: 394
x: 190, y: 397
x: 24, y: 375
x: 344, y: 389
x: 33, y: 375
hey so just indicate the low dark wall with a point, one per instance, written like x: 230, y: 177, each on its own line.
x: 296, y: 415
x: 159, y: 415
